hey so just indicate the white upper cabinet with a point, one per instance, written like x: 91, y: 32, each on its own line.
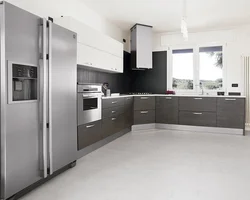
x: 94, y: 49
x: 94, y: 58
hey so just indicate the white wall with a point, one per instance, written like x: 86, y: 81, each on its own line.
x: 237, y: 42
x: 74, y: 8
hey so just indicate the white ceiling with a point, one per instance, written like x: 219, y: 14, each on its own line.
x: 165, y: 15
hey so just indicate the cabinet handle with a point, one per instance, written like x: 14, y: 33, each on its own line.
x: 144, y: 98
x: 90, y: 126
x: 144, y: 112
x: 197, y: 113
x: 169, y: 98
x: 113, y: 119
x: 128, y: 98
x: 230, y: 99
x: 198, y: 98
x: 114, y: 102
x: 113, y: 111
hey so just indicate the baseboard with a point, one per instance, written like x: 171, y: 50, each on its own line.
x: 218, y: 130
x: 143, y: 127
x: 101, y: 143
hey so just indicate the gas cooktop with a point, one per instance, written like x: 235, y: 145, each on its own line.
x: 139, y: 93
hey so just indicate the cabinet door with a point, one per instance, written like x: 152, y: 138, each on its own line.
x: 95, y: 58
x: 144, y: 117
x: 167, y: 110
x: 144, y: 103
x: 86, y: 55
x: 231, y: 112
x: 113, y: 63
x: 197, y: 118
x: 88, y: 134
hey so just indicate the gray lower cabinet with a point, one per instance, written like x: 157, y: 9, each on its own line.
x: 167, y: 110
x: 202, y: 104
x: 112, y: 112
x: 128, y: 112
x: 231, y: 113
x: 144, y: 117
x: 144, y: 103
x: 112, y: 102
x: 197, y: 118
x: 112, y: 125
x: 88, y: 134
x: 144, y: 110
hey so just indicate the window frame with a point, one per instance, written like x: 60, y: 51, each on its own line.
x: 196, y: 68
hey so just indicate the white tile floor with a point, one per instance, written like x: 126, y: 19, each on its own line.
x: 158, y: 165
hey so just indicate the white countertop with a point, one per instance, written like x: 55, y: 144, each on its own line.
x: 165, y: 95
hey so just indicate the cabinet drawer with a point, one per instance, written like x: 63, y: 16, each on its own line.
x: 112, y: 112
x: 231, y: 121
x: 88, y: 134
x: 144, y: 103
x: 144, y: 117
x: 167, y: 110
x: 112, y: 102
x: 112, y: 125
x: 197, y: 118
x: 234, y: 106
x: 197, y: 104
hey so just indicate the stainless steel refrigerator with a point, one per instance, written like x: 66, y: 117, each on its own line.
x: 38, y: 74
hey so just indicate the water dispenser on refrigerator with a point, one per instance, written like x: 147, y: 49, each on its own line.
x: 22, y: 83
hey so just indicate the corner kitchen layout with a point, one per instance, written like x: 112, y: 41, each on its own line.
x: 122, y: 99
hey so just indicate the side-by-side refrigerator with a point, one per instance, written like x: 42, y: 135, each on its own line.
x: 38, y: 73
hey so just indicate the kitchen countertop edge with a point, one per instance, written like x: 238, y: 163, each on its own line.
x: 165, y: 95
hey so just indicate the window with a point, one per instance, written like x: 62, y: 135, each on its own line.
x: 196, y: 69
x: 211, y: 67
x: 183, y: 78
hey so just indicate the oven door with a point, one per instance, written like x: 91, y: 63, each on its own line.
x: 89, y: 108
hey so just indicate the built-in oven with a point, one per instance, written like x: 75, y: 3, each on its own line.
x: 89, y: 103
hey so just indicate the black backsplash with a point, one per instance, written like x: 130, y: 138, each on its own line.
x: 153, y: 80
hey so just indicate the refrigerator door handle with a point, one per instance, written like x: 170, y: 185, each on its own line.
x: 50, y: 99
x: 43, y: 69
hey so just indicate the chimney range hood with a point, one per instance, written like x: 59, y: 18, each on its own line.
x: 141, y: 47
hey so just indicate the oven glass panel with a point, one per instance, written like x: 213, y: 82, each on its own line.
x: 90, y: 104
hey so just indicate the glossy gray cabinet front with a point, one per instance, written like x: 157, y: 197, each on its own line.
x: 231, y: 113
x: 167, y: 110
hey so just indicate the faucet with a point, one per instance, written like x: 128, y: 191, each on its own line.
x: 202, y: 89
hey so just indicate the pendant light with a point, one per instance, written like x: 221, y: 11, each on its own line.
x: 184, y: 29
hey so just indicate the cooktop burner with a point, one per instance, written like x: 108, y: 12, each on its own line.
x: 139, y: 93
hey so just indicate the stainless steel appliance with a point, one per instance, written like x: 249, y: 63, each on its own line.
x: 38, y: 99
x: 89, y: 103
